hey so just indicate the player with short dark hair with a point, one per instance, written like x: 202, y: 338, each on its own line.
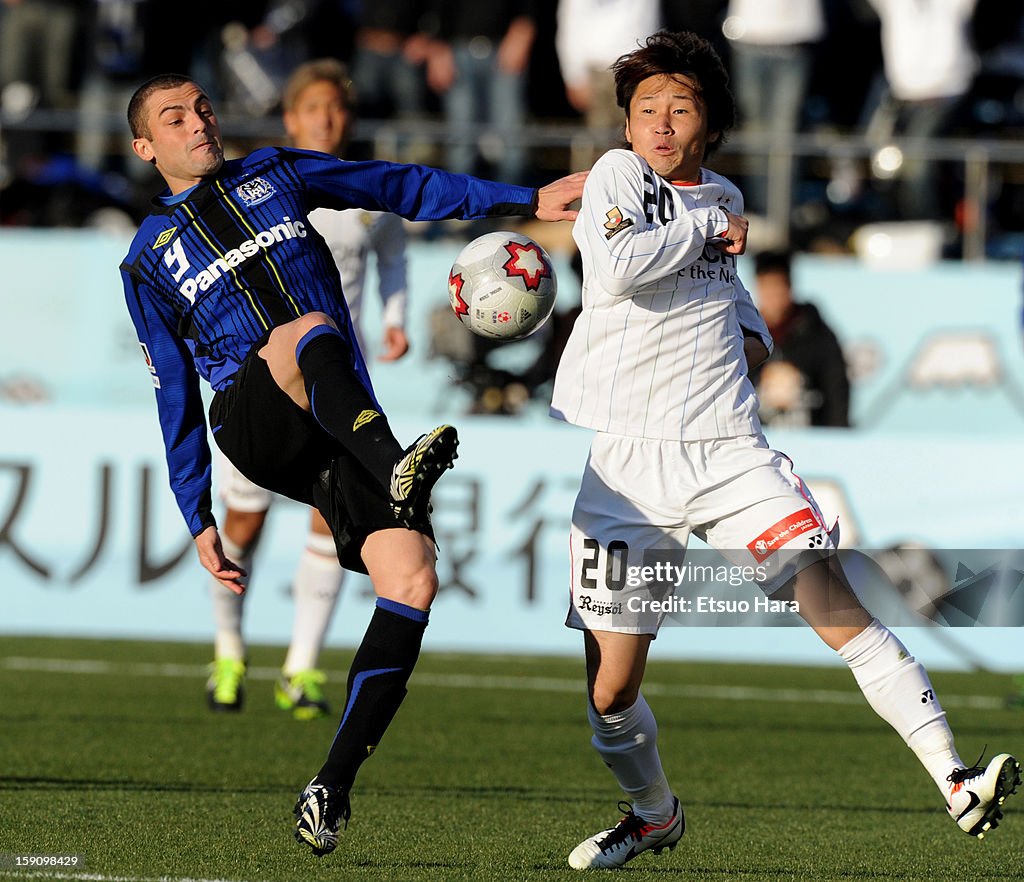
x: 227, y: 280
x: 657, y: 364
x: 318, y: 115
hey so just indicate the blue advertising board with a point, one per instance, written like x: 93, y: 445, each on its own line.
x: 92, y: 544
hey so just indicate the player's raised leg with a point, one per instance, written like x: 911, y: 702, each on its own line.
x: 898, y: 688
x: 315, y: 589
x: 312, y: 361
x: 626, y: 738
x: 401, y: 566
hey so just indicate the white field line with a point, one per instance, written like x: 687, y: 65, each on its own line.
x: 488, y: 682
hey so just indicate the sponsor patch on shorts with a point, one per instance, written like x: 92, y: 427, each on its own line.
x: 777, y: 535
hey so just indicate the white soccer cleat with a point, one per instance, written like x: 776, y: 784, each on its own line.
x: 976, y: 795
x: 628, y: 838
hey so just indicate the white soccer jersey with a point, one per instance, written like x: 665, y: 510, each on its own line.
x: 352, y: 234
x: 657, y: 351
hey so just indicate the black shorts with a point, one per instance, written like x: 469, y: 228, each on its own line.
x: 278, y: 445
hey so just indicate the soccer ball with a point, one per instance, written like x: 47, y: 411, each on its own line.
x: 502, y: 286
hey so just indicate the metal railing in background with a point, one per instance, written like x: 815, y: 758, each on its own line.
x: 559, y: 147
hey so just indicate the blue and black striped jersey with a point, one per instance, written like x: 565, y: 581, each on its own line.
x: 213, y: 269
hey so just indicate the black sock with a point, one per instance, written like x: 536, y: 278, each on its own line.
x: 343, y: 406
x: 376, y: 687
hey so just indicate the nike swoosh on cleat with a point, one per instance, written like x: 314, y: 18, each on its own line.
x: 971, y: 806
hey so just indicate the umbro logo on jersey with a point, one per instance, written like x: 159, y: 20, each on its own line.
x: 164, y: 238
x: 255, y: 191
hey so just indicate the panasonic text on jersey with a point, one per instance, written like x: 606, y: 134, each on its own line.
x: 263, y: 240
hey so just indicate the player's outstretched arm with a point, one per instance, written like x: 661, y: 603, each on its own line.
x: 553, y: 200
x: 211, y: 556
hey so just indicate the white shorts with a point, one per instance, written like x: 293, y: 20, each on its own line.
x: 237, y: 492
x: 640, y: 496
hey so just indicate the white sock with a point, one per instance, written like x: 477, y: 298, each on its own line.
x: 628, y: 744
x: 316, y: 588
x: 898, y: 689
x: 228, y: 606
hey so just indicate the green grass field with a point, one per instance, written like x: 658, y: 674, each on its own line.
x: 107, y: 750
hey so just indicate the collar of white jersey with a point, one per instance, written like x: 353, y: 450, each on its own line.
x: 697, y: 183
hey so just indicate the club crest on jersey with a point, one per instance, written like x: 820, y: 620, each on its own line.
x: 616, y: 223
x: 255, y: 191
x: 527, y: 262
x: 164, y: 238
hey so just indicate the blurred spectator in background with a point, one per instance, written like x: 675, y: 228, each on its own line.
x: 264, y: 40
x: 37, y: 39
x: 118, y: 43
x: 390, y: 50
x: 591, y: 35
x: 804, y: 382
x: 771, y: 43
x: 703, y: 17
x: 478, y: 63
x: 388, y: 62
x: 52, y: 190
x: 929, y: 65
x: 318, y: 28
x: 126, y: 42
x: 116, y: 60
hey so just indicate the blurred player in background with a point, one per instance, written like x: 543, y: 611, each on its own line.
x: 657, y: 363
x: 227, y: 280
x: 318, y: 115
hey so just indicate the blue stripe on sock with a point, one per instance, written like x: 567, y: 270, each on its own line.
x: 312, y: 408
x: 401, y: 609
x: 311, y: 335
x: 357, y: 683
